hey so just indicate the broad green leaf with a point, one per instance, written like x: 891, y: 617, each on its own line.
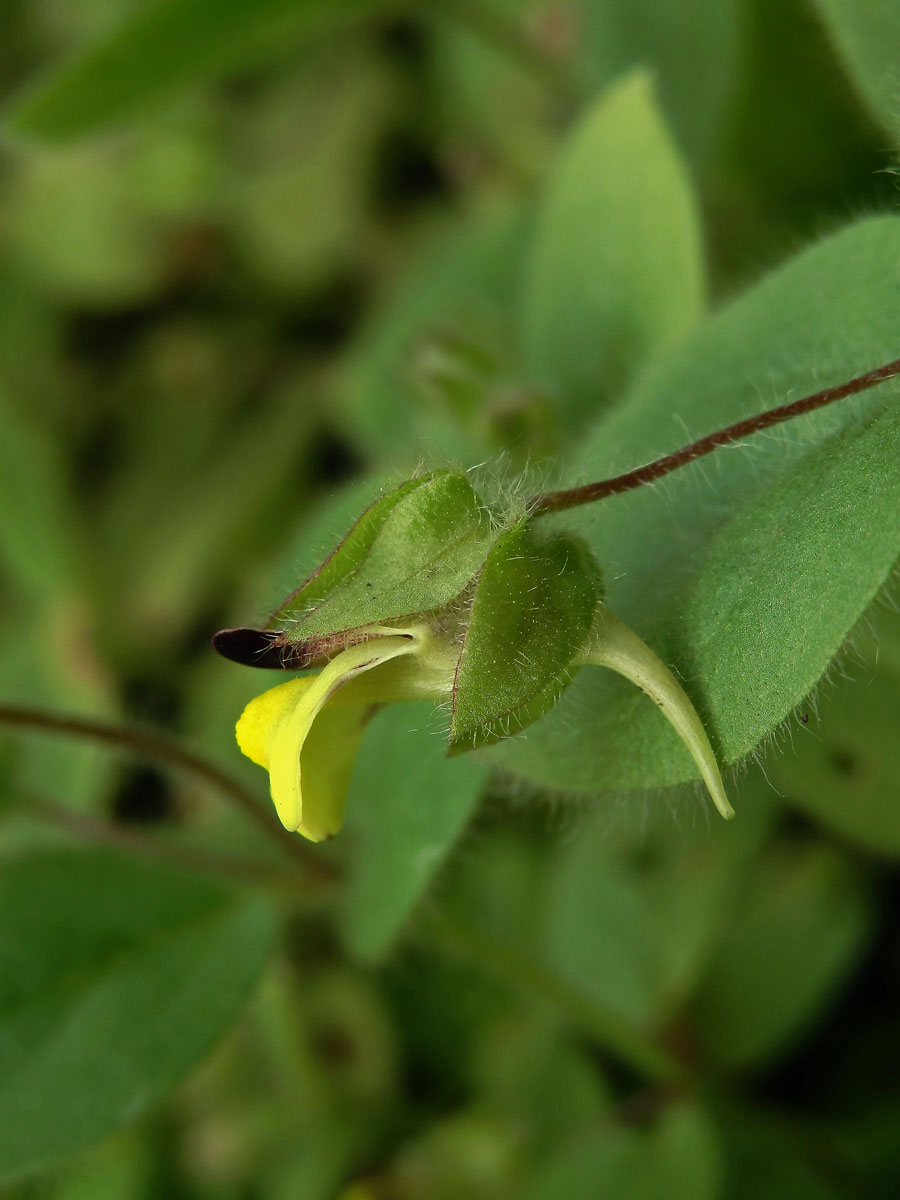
x: 840, y: 763
x: 121, y: 1166
x: 867, y: 40
x: 407, y: 806
x: 672, y: 40
x: 616, y: 270
x: 116, y: 976
x: 534, y: 604
x: 678, y: 1160
x: 429, y: 546
x: 744, y: 571
x: 159, y: 49
x: 798, y: 929
x: 790, y: 575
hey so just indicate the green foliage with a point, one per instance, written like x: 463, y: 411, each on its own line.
x: 467, y: 276
x: 597, y: 305
x: 117, y: 977
x: 775, y: 531
x: 619, y: 922
x: 264, y: 262
x: 35, y: 536
x: 789, y: 575
x: 407, y: 806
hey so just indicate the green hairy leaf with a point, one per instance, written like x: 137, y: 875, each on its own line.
x: 116, y: 976
x: 346, y: 556
x: 417, y: 555
x: 788, y: 577
x: 615, y: 273
x: 532, y: 612
x: 724, y: 565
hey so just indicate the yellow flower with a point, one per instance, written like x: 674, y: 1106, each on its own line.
x: 306, y: 732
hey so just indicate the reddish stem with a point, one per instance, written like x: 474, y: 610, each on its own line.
x: 589, y: 492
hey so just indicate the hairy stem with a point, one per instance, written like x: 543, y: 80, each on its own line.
x: 586, y: 494
x: 173, y: 754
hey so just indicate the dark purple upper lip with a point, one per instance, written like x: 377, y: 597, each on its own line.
x: 261, y: 648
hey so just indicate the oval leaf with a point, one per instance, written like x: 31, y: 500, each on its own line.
x: 407, y: 806
x: 116, y: 976
x: 616, y: 271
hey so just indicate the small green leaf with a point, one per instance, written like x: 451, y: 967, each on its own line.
x: 867, y: 39
x: 407, y: 806
x: 522, y: 1061
x: 534, y: 604
x: 162, y: 47
x: 616, y: 271
x: 116, y: 976
x: 798, y: 929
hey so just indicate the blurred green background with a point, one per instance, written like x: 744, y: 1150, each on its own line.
x: 255, y: 262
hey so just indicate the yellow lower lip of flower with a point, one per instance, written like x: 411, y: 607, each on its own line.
x: 306, y: 732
